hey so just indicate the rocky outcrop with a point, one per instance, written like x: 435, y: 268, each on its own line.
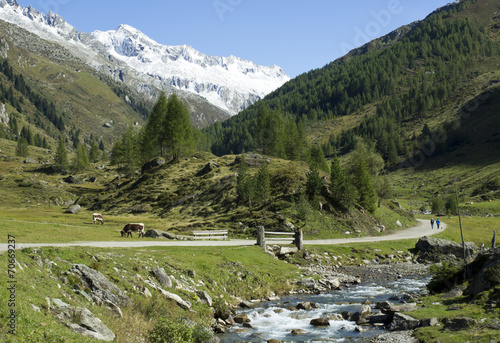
x: 241, y: 319
x: 487, y: 276
x: 307, y: 305
x: 209, y: 167
x: 387, y: 307
x: 152, y: 164
x: 319, y: 322
x: 162, y: 277
x: 459, y: 323
x: 160, y: 234
x: 433, y: 249
x: 81, y: 320
x: 73, y: 209
x: 182, y: 304
x: 252, y: 160
x: 102, y: 290
x: 204, y: 298
x: 4, y: 116
x: 72, y: 179
x: 401, y: 322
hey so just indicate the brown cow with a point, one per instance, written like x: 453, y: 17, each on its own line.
x: 127, y: 230
x: 97, y: 217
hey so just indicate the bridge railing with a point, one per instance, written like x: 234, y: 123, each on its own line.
x: 295, y: 238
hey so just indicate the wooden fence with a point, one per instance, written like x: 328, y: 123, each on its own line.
x: 296, y: 238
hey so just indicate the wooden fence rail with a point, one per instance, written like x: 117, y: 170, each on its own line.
x: 296, y: 239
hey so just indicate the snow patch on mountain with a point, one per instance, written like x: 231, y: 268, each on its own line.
x: 230, y: 83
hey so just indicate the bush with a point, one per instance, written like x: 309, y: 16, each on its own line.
x: 202, y: 334
x: 451, y: 205
x: 221, y: 309
x: 167, y: 330
x: 444, y: 277
x: 437, y: 205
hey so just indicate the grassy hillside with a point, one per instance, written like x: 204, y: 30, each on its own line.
x: 173, y: 197
x: 81, y: 98
x: 387, y: 91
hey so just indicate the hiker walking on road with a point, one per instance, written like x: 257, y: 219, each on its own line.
x: 432, y: 223
x: 438, y: 222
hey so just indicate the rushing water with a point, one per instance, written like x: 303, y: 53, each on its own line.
x: 273, y: 320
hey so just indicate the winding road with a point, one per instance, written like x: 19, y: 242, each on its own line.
x: 423, y: 228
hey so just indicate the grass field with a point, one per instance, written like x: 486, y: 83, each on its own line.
x: 51, y: 225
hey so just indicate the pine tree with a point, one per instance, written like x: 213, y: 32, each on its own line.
x: 153, y: 143
x: 117, y: 153
x: 318, y: 157
x: 341, y: 189
x: 244, y: 183
x: 270, y: 131
x: 262, y: 184
x: 130, y: 145
x: 364, y: 185
x: 95, y: 152
x: 61, y: 159
x: 177, y: 131
x: 81, y: 159
x: 22, y: 147
x: 314, y: 183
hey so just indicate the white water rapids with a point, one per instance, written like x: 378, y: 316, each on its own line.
x: 273, y: 320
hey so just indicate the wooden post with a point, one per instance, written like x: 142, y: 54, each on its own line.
x: 261, y: 237
x: 494, y: 240
x: 299, y: 239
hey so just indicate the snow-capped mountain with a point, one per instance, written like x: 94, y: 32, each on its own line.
x: 127, y: 54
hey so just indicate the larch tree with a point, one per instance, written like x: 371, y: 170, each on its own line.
x: 95, y: 152
x: 343, y: 193
x: 244, y: 183
x: 61, y: 159
x: 364, y: 184
x: 314, y: 183
x: 262, y: 184
x: 81, y: 159
x: 177, y: 132
x: 152, y: 142
x: 22, y: 147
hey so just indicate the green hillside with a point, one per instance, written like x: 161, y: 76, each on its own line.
x: 421, y: 107
x: 52, y: 97
x: 386, y: 91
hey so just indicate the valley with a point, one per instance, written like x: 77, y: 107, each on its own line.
x: 400, y: 130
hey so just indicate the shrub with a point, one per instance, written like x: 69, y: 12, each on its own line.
x: 167, y: 330
x: 221, y: 309
x: 202, y: 334
x: 444, y: 277
x: 437, y: 205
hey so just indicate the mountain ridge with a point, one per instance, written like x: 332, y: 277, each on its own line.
x: 128, y: 55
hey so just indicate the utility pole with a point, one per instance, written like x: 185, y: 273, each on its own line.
x: 466, y: 271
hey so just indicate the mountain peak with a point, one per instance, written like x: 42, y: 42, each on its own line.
x: 12, y: 3
x: 230, y: 83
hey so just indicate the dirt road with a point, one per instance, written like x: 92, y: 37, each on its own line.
x: 423, y: 228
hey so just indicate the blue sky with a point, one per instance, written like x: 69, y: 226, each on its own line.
x: 297, y: 35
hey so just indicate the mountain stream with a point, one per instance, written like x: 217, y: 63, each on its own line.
x: 273, y: 320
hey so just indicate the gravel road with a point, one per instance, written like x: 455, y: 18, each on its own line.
x: 422, y: 229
